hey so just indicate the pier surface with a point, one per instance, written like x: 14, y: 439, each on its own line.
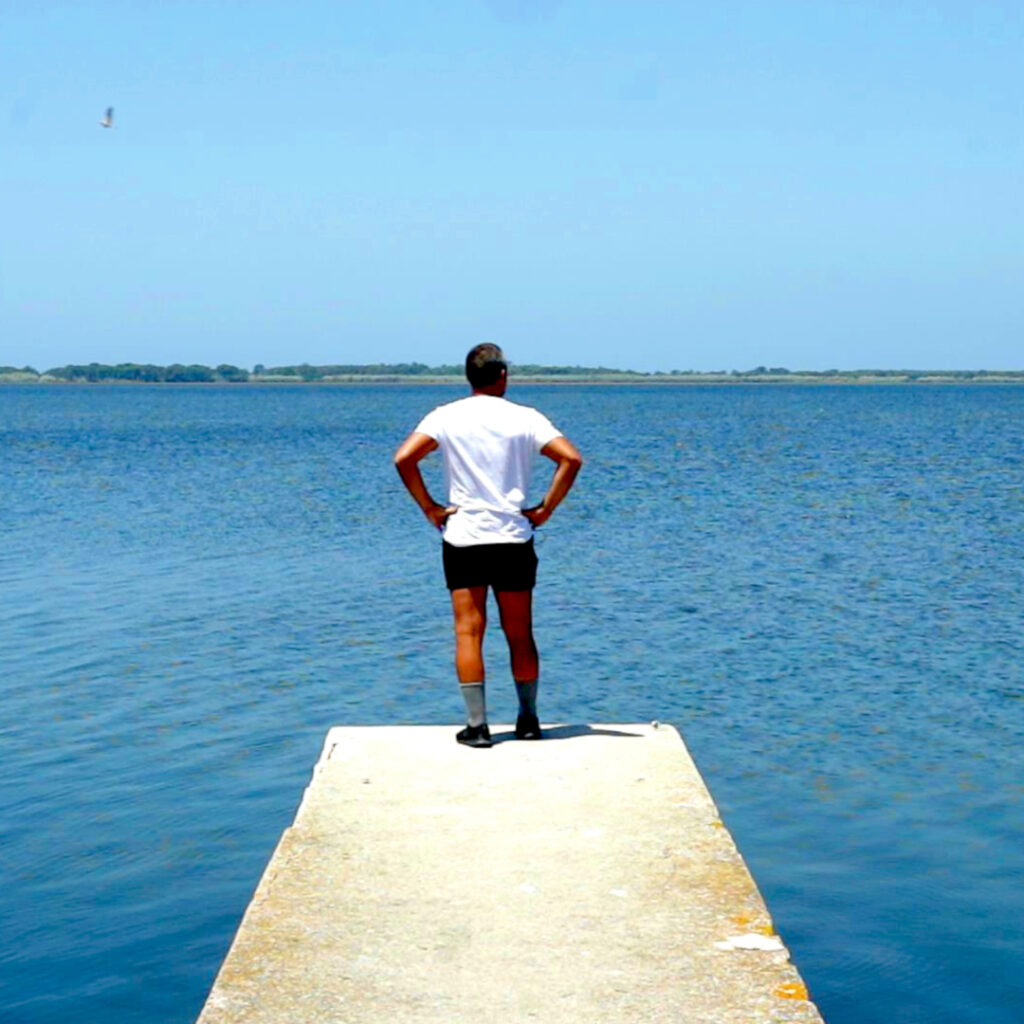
x: 582, y: 879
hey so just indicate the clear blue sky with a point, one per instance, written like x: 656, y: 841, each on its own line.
x: 640, y: 185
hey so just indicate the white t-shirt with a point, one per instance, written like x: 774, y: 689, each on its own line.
x: 488, y: 444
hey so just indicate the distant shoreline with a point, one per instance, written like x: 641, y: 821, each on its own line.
x: 660, y: 380
x: 447, y: 373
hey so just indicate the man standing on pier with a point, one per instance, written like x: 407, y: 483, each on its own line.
x: 488, y: 445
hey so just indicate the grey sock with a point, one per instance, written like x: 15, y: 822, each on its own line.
x: 476, y: 709
x: 527, y: 697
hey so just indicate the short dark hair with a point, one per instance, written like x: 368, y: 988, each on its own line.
x: 484, y: 365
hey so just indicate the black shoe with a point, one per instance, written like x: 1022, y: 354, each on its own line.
x: 475, y: 736
x: 527, y: 726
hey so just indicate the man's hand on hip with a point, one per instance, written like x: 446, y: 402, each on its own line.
x: 438, y: 514
x: 537, y: 514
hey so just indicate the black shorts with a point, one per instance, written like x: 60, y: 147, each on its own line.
x: 499, y: 566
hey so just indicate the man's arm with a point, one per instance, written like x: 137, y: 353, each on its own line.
x: 563, y: 452
x: 411, y: 452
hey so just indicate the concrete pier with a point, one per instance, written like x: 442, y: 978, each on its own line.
x: 583, y: 879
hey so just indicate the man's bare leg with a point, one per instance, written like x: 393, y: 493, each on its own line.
x: 469, y: 607
x: 516, y: 610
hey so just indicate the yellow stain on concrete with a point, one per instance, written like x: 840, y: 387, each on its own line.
x: 792, y: 990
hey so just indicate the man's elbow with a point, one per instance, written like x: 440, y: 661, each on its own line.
x: 574, y: 462
x: 414, y: 448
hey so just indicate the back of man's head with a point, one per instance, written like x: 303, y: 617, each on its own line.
x: 484, y: 365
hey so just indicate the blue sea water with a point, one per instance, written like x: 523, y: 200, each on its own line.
x: 822, y: 587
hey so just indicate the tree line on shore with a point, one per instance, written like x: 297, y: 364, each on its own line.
x: 194, y: 373
x: 178, y: 373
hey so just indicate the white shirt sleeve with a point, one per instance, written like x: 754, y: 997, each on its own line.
x: 431, y: 425
x: 544, y: 431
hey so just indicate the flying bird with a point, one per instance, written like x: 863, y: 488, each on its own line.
x: 108, y: 118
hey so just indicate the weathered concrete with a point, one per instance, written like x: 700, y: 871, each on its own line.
x: 585, y: 878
